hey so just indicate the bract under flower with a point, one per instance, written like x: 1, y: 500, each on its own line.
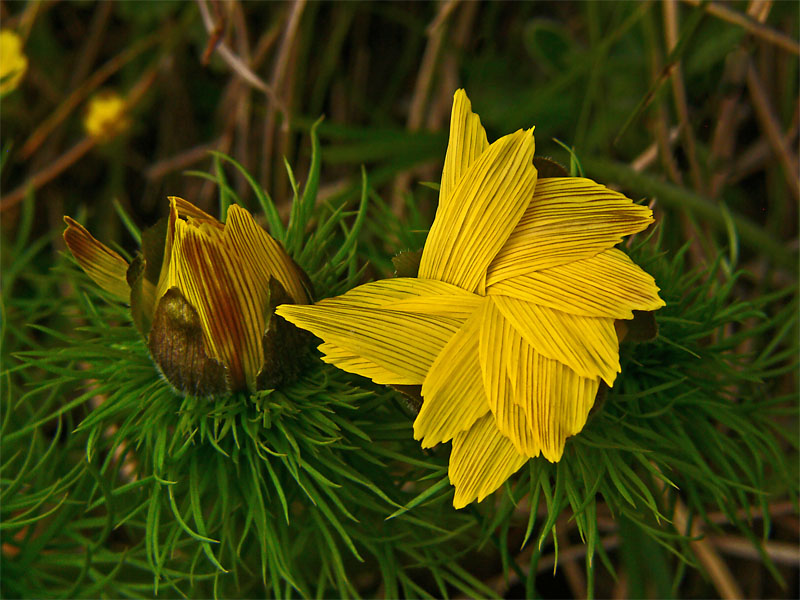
x: 509, y: 326
x: 203, y: 294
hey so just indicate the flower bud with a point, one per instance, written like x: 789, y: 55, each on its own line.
x: 203, y: 295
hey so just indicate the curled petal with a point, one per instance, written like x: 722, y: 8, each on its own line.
x: 554, y: 399
x: 587, y: 345
x: 104, y: 266
x: 569, y: 219
x: 606, y: 285
x: 481, y: 460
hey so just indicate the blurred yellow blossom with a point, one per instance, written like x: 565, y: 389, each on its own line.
x: 13, y: 63
x: 106, y: 117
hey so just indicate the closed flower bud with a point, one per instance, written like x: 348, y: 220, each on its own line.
x: 203, y: 295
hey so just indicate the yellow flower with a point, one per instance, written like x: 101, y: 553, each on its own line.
x: 106, y: 117
x: 509, y: 325
x: 13, y: 63
x: 203, y: 293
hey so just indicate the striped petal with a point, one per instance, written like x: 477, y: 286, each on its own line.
x: 104, y: 266
x: 409, y: 294
x: 481, y: 460
x: 606, y: 285
x: 262, y: 255
x: 228, y: 301
x: 453, y: 396
x: 467, y: 142
x: 501, y: 347
x: 346, y: 361
x: 484, y: 208
x: 569, y: 219
x: 587, y: 345
x: 403, y: 343
x: 554, y: 399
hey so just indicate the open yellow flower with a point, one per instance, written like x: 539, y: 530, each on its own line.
x: 203, y: 294
x: 509, y: 326
x: 13, y: 62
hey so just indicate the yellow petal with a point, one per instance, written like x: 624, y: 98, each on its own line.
x: 606, y: 285
x: 570, y: 218
x: 403, y: 343
x: 554, y: 399
x: 588, y: 345
x: 227, y: 298
x: 104, y: 266
x: 409, y: 294
x: 346, y: 361
x: 467, y: 142
x: 485, y: 206
x: 185, y: 209
x: 261, y: 254
x: 481, y: 460
x: 453, y: 396
x: 500, y: 349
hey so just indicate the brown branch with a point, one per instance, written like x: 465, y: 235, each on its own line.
x: 236, y: 63
x: 80, y: 94
x: 679, y: 93
x: 772, y: 128
x: 753, y: 27
x: 47, y: 174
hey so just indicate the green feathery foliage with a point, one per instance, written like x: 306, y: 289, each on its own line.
x: 111, y: 483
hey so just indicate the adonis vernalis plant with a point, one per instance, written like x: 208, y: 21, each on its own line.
x: 202, y: 294
x: 509, y: 326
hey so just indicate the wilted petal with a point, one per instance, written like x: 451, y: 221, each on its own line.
x: 481, y: 460
x: 104, y: 266
x: 588, y: 345
x: 485, y: 206
x: 453, y: 396
x: 606, y: 285
x: 467, y: 142
x: 569, y: 219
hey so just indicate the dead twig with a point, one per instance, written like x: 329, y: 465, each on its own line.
x: 236, y: 63
x: 753, y: 27
x: 772, y: 128
x: 679, y: 93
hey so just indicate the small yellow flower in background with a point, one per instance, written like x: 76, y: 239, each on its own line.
x: 13, y: 62
x: 106, y: 117
x: 203, y: 293
x: 509, y: 325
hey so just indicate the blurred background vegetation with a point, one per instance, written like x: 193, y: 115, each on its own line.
x: 692, y: 106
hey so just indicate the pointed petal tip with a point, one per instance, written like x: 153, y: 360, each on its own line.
x: 102, y: 264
